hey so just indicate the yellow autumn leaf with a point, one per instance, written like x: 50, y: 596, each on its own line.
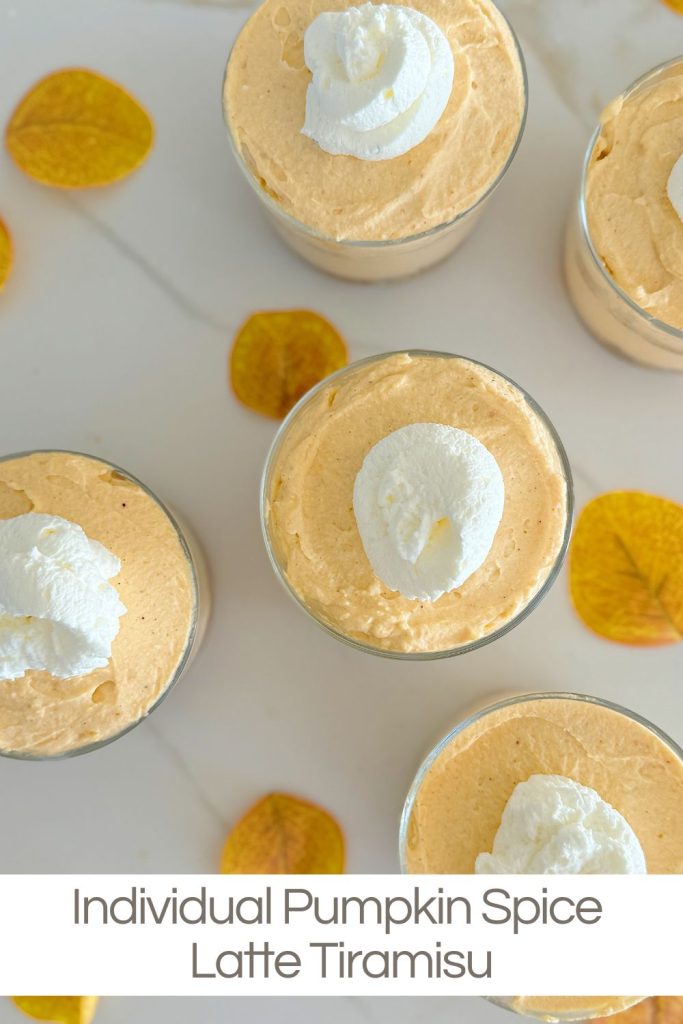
x: 77, y: 129
x: 277, y: 356
x: 675, y: 5
x: 656, y: 1010
x: 626, y: 568
x: 58, y: 1009
x: 282, y: 834
x: 5, y: 253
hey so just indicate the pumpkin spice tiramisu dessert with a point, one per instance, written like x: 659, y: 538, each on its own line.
x: 99, y: 603
x: 624, y: 254
x: 373, y: 133
x: 417, y: 504
x: 548, y: 784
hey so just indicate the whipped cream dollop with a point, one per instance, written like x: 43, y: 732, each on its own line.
x: 58, y: 612
x: 382, y: 76
x: 552, y: 825
x: 428, y: 500
x: 674, y: 187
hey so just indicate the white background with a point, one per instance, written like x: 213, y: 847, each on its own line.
x: 564, y: 936
x: 114, y: 331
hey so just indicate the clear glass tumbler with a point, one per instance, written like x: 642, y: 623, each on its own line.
x: 381, y: 260
x: 199, y: 577
x: 607, y: 311
x: 276, y: 555
x: 539, y: 1008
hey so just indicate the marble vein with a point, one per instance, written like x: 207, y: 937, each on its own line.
x: 586, y: 479
x: 359, y: 1007
x: 181, y: 301
x: 592, y: 49
x: 175, y: 756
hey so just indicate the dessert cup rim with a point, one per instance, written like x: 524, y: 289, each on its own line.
x: 384, y: 243
x: 569, y: 1016
x: 19, y: 755
x: 481, y: 713
x: 643, y: 81
x: 414, y: 655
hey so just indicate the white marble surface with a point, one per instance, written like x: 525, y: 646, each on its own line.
x: 114, y: 331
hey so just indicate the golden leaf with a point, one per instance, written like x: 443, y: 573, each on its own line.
x: 76, y: 129
x: 656, y: 1010
x: 278, y: 356
x: 5, y: 253
x: 626, y: 568
x: 59, y: 1009
x: 675, y: 5
x: 281, y: 834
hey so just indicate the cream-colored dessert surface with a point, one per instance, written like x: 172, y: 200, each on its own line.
x: 459, y: 805
x: 633, y: 224
x: 346, y: 198
x: 43, y: 715
x: 311, y: 516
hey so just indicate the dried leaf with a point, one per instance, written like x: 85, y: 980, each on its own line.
x: 76, y: 129
x: 281, y: 834
x: 277, y: 356
x: 626, y: 568
x: 59, y: 1009
x: 656, y: 1010
x: 5, y: 253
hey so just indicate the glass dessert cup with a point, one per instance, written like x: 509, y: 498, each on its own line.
x: 382, y: 259
x: 201, y: 604
x: 540, y: 1008
x: 605, y: 308
x: 276, y: 555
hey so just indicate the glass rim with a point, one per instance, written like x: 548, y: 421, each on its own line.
x: 386, y: 243
x: 448, y: 652
x: 476, y: 716
x: 642, y: 82
x: 570, y: 1017
x: 87, y: 748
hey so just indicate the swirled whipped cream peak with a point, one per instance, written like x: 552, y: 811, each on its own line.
x: 428, y: 500
x: 382, y: 76
x: 58, y: 611
x: 552, y: 825
x: 674, y: 187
